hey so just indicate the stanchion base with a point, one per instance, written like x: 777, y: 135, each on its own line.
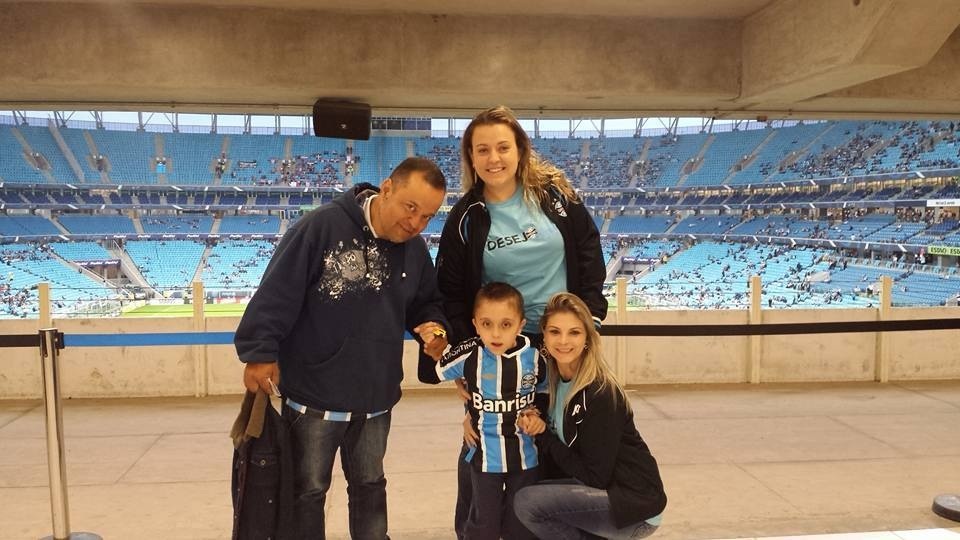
x: 77, y: 536
x: 947, y: 506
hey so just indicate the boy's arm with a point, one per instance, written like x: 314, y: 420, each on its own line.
x: 450, y: 365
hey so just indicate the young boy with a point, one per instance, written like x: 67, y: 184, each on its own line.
x: 506, y: 379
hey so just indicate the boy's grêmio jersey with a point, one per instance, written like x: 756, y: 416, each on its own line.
x: 500, y: 387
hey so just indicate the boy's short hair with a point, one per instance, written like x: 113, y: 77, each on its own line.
x: 498, y: 291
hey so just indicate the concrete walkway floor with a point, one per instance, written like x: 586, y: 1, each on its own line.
x: 738, y: 461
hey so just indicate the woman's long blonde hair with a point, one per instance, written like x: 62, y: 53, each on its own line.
x: 592, y: 365
x: 534, y: 174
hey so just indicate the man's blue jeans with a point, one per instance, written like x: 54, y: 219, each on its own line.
x: 362, y: 443
x: 569, y: 510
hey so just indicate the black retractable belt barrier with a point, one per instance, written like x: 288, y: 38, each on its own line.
x: 946, y: 505
x: 19, y: 341
x: 49, y: 342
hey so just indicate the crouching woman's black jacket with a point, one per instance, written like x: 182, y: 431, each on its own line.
x: 604, y: 450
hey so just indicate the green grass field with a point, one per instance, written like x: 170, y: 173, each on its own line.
x: 186, y: 310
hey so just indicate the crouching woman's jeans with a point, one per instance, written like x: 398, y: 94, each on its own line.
x: 569, y: 510
x: 362, y: 443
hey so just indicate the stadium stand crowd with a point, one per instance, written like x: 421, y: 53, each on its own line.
x: 819, y: 210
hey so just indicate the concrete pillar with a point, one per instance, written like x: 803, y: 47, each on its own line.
x: 755, y: 354
x: 882, y: 362
x: 43, y: 291
x: 200, y: 365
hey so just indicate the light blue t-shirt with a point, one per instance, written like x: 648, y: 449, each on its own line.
x: 525, y: 249
x: 556, y: 415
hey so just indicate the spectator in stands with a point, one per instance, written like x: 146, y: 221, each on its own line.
x: 611, y: 485
x: 520, y: 222
x: 345, y: 271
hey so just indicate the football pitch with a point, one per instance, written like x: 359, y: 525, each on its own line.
x: 186, y: 310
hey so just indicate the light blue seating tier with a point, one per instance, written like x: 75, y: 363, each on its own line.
x: 41, y: 140
x: 378, y: 157
x: 782, y: 226
x: 131, y: 155
x: 610, y: 162
x: 436, y: 224
x: 726, y: 150
x: 892, y: 157
x: 880, y: 132
x: 704, y: 275
x: 924, y: 289
x: 854, y: 278
x: 84, y: 224
x: 640, y: 224
x: 81, y: 251
x: 191, y: 156
x: 185, y: 224
x: 951, y: 239
x: 858, y: 228
x: 252, y: 224
x: 81, y: 150
x: 807, y: 166
x: 944, y: 153
x: 838, y: 134
x: 27, y: 226
x: 713, y: 275
x: 896, y: 232
x: 564, y: 153
x: 706, y: 224
x: 254, y: 148
x: 653, y: 249
x: 667, y: 156
x: 786, y: 140
x: 909, y: 288
x: 329, y: 168
x: 236, y: 264
x: 445, y: 152
x: 166, y: 264
x: 23, y: 267
x: 836, y: 153
x: 13, y: 166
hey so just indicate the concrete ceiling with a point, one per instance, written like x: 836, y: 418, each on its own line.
x: 614, y: 58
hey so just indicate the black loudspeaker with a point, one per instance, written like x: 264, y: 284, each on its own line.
x: 341, y: 120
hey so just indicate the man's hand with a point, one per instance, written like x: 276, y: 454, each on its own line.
x: 262, y: 376
x: 434, y: 338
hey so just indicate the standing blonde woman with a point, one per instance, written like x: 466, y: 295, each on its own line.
x: 520, y: 222
x: 610, y: 484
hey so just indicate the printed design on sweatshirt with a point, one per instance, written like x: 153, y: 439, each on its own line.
x: 352, y: 268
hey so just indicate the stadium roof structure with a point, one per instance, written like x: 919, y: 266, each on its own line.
x: 556, y: 58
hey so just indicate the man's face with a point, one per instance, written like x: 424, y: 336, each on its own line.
x: 403, y: 209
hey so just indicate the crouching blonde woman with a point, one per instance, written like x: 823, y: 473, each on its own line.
x: 605, y: 483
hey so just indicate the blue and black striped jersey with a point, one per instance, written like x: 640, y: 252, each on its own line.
x: 500, y: 387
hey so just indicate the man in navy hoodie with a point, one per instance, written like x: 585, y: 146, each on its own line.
x: 343, y: 286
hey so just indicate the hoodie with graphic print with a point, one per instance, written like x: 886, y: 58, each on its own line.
x: 333, y: 306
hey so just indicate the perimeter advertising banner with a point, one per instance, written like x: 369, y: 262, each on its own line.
x: 951, y: 251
